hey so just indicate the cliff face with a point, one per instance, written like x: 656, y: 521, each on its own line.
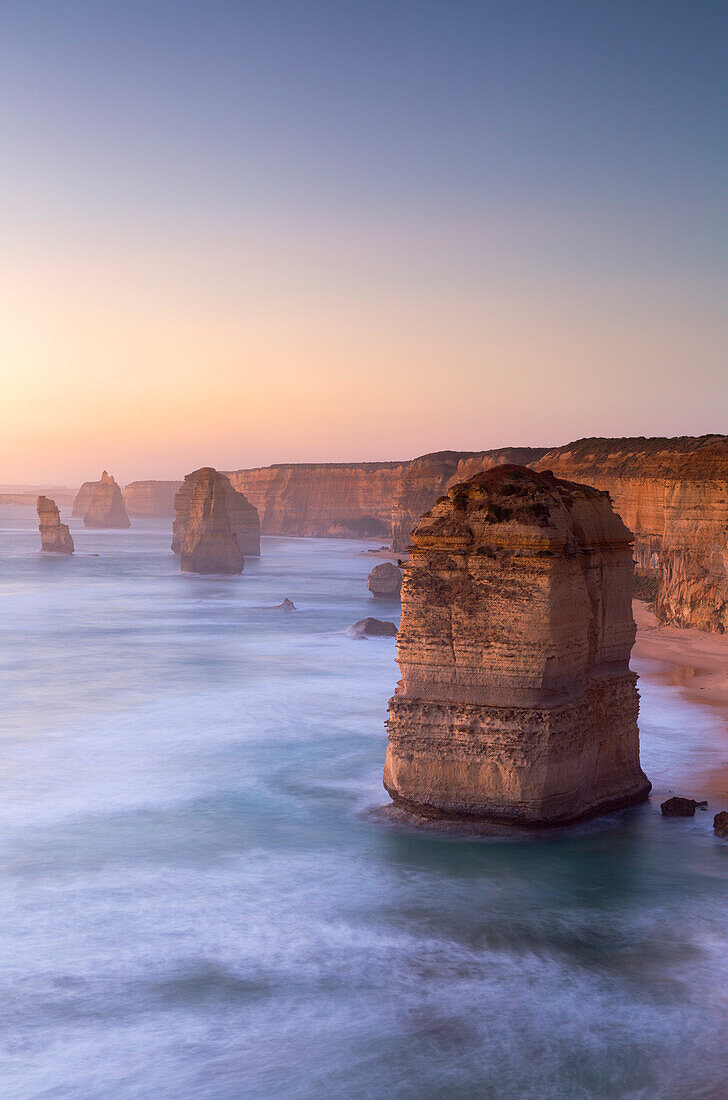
x: 241, y: 514
x: 151, y: 498
x: 516, y: 701
x: 429, y: 476
x: 107, y: 505
x: 672, y: 494
x: 209, y: 544
x: 347, y: 499
x: 54, y: 535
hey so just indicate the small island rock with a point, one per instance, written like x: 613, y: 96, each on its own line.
x: 373, y: 628
x: 385, y: 581
x: 681, y: 807
x: 720, y: 823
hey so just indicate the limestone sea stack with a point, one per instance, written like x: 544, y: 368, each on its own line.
x: 55, y: 537
x: 209, y: 544
x: 385, y: 581
x: 242, y: 515
x: 107, y: 505
x: 151, y: 498
x: 516, y: 702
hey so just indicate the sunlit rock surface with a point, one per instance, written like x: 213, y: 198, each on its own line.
x: 385, y: 581
x: 106, y: 508
x: 209, y: 544
x: 151, y: 498
x: 516, y: 702
x: 241, y: 514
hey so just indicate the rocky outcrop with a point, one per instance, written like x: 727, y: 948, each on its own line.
x: 373, y: 628
x: 681, y: 807
x: 55, y: 537
x: 107, y: 505
x: 516, y: 702
x: 209, y: 544
x: 673, y: 494
x: 319, y: 500
x: 429, y: 476
x: 720, y: 824
x: 385, y: 581
x: 151, y: 498
x: 241, y: 514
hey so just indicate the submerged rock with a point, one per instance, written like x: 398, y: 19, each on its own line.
x: 516, y: 702
x: 385, y: 581
x: 720, y: 823
x: 287, y: 605
x: 209, y: 545
x: 55, y: 538
x: 106, y: 508
x: 681, y: 807
x: 373, y: 628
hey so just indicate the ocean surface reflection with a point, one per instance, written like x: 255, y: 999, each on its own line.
x: 195, y: 903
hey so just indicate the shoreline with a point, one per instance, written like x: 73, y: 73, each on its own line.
x: 701, y: 658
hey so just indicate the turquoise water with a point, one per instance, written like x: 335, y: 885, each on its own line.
x: 194, y: 902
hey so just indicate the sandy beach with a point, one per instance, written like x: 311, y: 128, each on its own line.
x: 701, y: 659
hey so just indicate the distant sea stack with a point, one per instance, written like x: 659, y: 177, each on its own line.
x: 516, y: 702
x: 429, y: 476
x: 209, y: 544
x: 55, y: 538
x: 84, y: 496
x: 241, y: 515
x: 107, y: 505
x: 673, y: 494
x: 151, y: 498
x: 385, y: 581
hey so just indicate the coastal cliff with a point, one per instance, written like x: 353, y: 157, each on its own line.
x: 241, y: 515
x: 106, y: 508
x: 55, y: 537
x: 673, y: 494
x: 83, y: 498
x: 429, y: 476
x: 319, y: 500
x: 209, y: 544
x: 151, y: 498
x: 516, y: 702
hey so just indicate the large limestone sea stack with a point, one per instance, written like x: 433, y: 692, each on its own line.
x: 516, y: 702
x: 55, y: 538
x: 242, y: 515
x: 209, y: 543
x: 106, y: 508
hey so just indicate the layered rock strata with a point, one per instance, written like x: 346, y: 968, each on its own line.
x: 209, y: 544
x: 151, y: 498
x: 673, y: 494
x: 385, y: 581
x: 107, y: 505
x: 55, y: 538
x: 241, y: 514
x: 319, y: 500
x: 516, y: 702
x: 429, y: 476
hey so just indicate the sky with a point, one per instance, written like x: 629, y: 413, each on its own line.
x: 242, y: 233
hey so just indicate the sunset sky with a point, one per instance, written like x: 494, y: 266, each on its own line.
x: 242, y: 233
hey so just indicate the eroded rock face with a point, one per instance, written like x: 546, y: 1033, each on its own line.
x: 673, y: 494
x: 107, y: 505
x: 83, y: 498
x: 151, y: 498
x: 241, y: 514
x: 516, y: 702
x: 720, y: 823
x: 429, y: 476
x: 55, y: 537
x: 681, y: 807
x: 385, y: 581
x: 209, y: 544
x: 323, y: 499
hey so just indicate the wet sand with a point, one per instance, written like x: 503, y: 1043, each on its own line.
x: 701, y: 659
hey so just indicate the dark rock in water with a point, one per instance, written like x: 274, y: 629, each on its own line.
x: 385, y: 581
x: 682, y: 807
x: 720, y: 823
x: 373, y: 628
x: 287, y: 605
